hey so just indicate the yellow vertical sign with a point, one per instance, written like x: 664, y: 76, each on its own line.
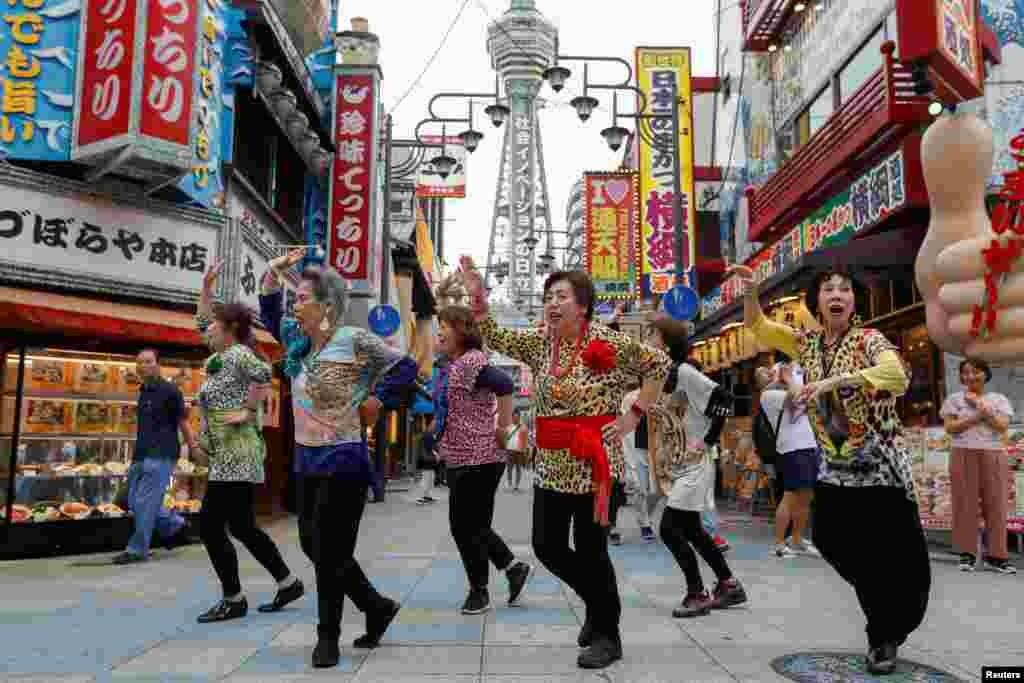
x: 657, y: 71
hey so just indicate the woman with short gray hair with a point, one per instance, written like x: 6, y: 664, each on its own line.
x: 341, y: 377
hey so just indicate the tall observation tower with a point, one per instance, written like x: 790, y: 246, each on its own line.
x: 522, y: 45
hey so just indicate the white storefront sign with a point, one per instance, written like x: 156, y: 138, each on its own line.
x: 85, y: 237
x: 253, y: 258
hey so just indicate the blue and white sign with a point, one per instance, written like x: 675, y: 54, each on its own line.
x: 38, y: 79
x: 604, y: 308
x: 385, y: 320
x: 682, y: 303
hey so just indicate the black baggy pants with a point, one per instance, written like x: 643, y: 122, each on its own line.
x: 872, y: 536
x: 471, y: 492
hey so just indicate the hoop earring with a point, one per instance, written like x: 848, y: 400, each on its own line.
x: 856, y: 320
x: 325, y: 324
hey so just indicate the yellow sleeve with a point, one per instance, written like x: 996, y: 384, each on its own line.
x: 776, y: 335
x: 887, y: 374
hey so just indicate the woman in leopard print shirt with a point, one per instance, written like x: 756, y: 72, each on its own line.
x: 582, y: 371
x: 866, y: 519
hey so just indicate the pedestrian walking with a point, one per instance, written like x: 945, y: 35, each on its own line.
x: 473, y: 391
x: 581, y: 372
x: 514, y: 444
x: 341, y: 379
x: 638, y: 469
x: 427, y: 464
x: 161, y: 415
x: 979, y: 470
x: 232, y: 443
x: 797, y: 456
x: 687, y: 422
x: 865, y: 505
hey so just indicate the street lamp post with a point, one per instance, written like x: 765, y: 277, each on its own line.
x: 615, y: 135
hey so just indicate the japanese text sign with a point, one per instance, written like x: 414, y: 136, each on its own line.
x: 611, y: 217
x: 83, y: 236
x: 137, y: 75
x: 946, y: 34
x: 521, y: 193
x: 430, y: 184
x: 107, y: 54
x: 38, y: 80
x: 354, y: 175
x: 213, y: 104
x: 868, y: 201
x: 169, y: 62
x: 662, y: 73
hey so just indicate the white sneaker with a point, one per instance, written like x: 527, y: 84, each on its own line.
x: 783, y: 550
x: 806, y: 548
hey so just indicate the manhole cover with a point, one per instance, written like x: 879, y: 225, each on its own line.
x: 846, y: 667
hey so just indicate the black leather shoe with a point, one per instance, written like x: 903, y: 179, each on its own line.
x: 284, y: 596
x: 586, y: 636
x: 376, y: 625
x: 602, y: 654
x: 882, y: 659
x: 225, y: 610
x: 518, y: 576
x: 326, y: 653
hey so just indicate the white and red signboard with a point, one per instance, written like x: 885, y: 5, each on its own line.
x: 354, y: 175
x: 108, y: 60
x: 169, y: 64
x: 137, y: 82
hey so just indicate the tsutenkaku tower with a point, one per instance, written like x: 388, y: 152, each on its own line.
x: 522, y: 45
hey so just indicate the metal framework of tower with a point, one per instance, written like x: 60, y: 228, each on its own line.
x: 522, y: 45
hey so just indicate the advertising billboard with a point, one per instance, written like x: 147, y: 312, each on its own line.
x: 610, y: 217
x: 429, y: 183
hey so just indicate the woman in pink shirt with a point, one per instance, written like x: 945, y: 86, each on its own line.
x: 980, y: 469
x: 469, y: 447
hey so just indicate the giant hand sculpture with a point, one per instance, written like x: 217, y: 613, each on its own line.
x: 969, y: 310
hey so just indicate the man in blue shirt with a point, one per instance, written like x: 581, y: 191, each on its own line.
x: 161, y: 413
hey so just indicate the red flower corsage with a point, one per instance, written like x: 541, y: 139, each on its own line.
x: 599, y: 356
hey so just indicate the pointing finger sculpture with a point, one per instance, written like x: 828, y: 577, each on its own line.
x: 968, y: 274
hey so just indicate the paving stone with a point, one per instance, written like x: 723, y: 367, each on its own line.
x: 420, y: 660
x: 530, y: 660
x: 294, y: 660
x: 197, y: 657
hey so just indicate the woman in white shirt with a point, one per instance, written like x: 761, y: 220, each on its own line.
x: 979, y: 468
x: 686, y: 421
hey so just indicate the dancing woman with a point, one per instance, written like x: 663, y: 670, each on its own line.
x: 686, y: 422
x: 581, y: 373
x: 467, y: 398
x: 341, y: 377
x: 865, y: 507
x: 231, y: 441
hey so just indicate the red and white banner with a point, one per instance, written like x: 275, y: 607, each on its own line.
x: 171, y: 33
x: 108, y: 58
x: 354, y: 176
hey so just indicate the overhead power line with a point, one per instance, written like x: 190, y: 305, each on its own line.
x: 430, y: 62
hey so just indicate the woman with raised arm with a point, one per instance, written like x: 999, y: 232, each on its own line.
x: 866, y: 509
x: 231, y: 441
x: 581, y: 373
x: 341, y: 377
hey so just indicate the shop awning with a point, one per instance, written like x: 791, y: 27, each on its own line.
x: 45, y: 312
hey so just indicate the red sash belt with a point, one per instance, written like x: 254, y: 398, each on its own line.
x: 583, y: 438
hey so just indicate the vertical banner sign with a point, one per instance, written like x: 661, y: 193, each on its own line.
x: 959, y: 31
x: 169, y: 63
x: 219, y: 63
x: 658, y: 70
x: 107, y: 62
x: 354, y: 178
x: 521, y: 192
x: 38, y: 80
x: 610, y: 216
x: 430, y: 184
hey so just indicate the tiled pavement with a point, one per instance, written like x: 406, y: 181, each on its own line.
x: 63, y: 621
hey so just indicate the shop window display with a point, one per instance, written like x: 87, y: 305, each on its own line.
x: 75, y: 435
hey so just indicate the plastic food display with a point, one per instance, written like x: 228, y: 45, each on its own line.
x: 77, y: 436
